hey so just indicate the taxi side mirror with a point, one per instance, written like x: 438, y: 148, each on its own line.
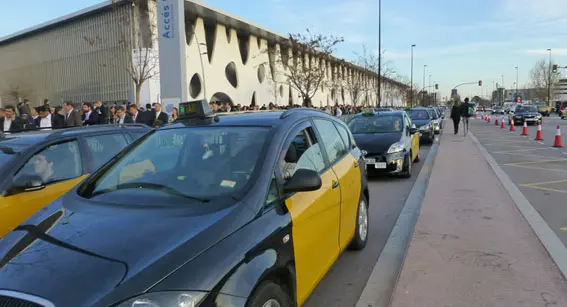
x: 27, y: 183
x: 413, y: 130
x: 303, y: 180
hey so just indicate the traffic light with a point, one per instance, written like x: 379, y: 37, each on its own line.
x: 436, y: 86
x: 555, y: 67
x: 479, y: 82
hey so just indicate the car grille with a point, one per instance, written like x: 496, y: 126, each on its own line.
x: 378, y: 157
x: 7, y: 301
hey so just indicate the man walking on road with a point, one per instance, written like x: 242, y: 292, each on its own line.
x: 466, y: 113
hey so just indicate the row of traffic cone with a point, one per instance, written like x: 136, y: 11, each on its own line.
x: 558, y: 143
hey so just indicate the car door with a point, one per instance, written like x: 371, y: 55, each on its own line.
x: 338, y: 146
x: 315, y: 215
x: 414, y: 138
x: 61, y: 167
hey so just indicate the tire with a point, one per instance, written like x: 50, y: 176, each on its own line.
x: 406, y: 170
x: 360, y: 233
x: 269, y: 291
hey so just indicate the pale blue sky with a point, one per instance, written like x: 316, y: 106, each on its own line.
x: 460, y: 41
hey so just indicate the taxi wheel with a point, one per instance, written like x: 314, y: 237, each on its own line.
x: 406, y: 172
x: 269, y: 294
x: 362, y: 222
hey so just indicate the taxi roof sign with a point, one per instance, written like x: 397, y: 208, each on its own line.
x: 195, y: 109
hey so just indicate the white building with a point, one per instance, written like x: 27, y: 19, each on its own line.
x: 82, y: 57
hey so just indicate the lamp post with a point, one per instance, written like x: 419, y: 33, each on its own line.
x: 424, y: 70
x: 549, y: 81
x: 379, y: 52
x: 411, y: 78
x: 502, y: 97
x: 429, y: 87
x: 516, y: 80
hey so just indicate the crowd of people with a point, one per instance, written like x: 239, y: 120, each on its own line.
x: 25, y: 117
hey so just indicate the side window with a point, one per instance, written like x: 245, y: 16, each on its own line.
x: 331, y: 140
x: 54, y: 163
x: 345, y: 136
x: 407, y: 121
x: 303, y: 152
x: 104, y: 147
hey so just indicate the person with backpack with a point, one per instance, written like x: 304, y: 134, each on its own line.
x: 466, y: 113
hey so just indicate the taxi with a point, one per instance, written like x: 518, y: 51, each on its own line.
x: 38, y: 166
x: 228, y: 210
x: 389, y: 139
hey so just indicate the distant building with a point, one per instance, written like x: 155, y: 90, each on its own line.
x: 559, y: 92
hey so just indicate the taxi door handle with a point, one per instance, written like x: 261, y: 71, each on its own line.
x: 335, y: 184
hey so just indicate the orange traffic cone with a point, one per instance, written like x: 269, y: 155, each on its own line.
x: 496, y: 122
x: 558, y: 142
x: 525, y: 129
x: 512, y: 127
x: 502, y: 124
x: 488, y: 121
x: 482, y: 116
x: 539, y: 134
x: 474, y: 114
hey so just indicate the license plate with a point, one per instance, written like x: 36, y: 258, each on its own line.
x: 380, y: 165
x: 370, y: 161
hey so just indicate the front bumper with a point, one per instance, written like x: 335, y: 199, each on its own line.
x: 426, y: 135
x: 385, y: 163
x: 532, y: 120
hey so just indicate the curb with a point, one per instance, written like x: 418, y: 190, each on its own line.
x: 382, y: 281
x: 555, y: 248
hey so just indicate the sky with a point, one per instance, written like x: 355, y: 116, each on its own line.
x: 459, y: 41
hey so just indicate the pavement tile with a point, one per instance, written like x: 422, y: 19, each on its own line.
x: 471, y: 246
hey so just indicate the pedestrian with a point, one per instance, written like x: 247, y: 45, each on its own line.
x: 466, y: 112
x: 456, y: 113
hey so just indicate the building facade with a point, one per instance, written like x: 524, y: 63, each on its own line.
x: 93, y: 54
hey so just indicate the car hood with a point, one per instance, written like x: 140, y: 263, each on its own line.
x: 526, y: 114
x: 421, y: 122
x: 376, y: 143
x: 104, y: 253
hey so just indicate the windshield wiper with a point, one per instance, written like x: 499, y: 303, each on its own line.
x: 150, y: 186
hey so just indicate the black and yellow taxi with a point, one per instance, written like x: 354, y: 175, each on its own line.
x: 390, y: 141
x: 249, y: 209
x: 38, y: 166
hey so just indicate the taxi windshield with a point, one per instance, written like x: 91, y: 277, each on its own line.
x: 525, y: 109
x: 433, y: 113
x: 174, y: 165
x: 418, y: 114
x: 376, y: 124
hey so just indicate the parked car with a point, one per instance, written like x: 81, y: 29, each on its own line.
x: 38, y: 166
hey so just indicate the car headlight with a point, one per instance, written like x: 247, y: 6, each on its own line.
x: 166, y: 299
x: 425, y: 127
x: 396, y: 147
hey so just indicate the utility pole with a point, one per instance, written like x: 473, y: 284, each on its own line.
x: 411, y: 78
x: 423, y: 84
x: 379, y: 52
x: 516, y: 80
x: 549, y: 81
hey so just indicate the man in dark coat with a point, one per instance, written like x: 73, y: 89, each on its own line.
x: 10, y: 122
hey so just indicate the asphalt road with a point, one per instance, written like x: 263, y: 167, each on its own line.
x: 345, y: 281
x: 537, y: 169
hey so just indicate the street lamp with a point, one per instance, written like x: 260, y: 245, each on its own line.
x: 429, y: 88
x: 411, y: 78
x: 516, y: 80
x: 379, y: 52
x: 504, y: 88
x: 423, y: 84
x: 549, y: 81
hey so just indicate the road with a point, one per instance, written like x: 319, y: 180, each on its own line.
x: 537, y: 169
x: 345, y: 281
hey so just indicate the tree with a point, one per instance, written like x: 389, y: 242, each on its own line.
x: 136, y: 40
x: 542, y: 79
x: 369, y: 62
x: 306, y: 70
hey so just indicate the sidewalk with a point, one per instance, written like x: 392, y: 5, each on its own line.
x: 471, y: 246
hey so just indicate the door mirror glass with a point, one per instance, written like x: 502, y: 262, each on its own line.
x: 27, y: 183
x: 303, y: 180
